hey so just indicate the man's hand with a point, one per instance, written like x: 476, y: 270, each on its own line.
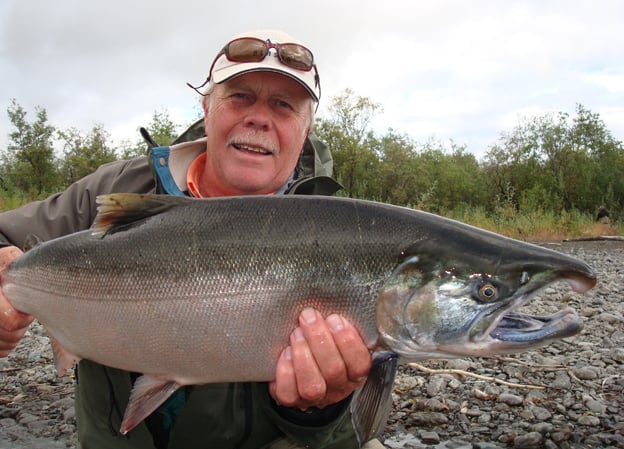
x: 325, y: 362
x: 13, y: 324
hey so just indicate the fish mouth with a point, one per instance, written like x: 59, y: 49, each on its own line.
x: 521, y: 328
x: 514, y: 330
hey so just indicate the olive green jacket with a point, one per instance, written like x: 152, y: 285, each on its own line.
x: 235, y: 415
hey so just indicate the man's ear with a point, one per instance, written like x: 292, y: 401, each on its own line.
x: 307, y: 133
x: 204, y: 102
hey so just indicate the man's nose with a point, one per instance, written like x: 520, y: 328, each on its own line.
x: 259, y: 115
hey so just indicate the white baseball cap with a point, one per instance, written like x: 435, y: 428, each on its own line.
x: 283, y: 54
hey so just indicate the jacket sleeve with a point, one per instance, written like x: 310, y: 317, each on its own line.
x: 75, y: 208
x: 329, y: 428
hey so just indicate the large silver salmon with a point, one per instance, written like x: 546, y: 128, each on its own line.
x: 196, y: 291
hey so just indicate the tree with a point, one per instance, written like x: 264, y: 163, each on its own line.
x: 559, y: 162
x: 349, y: 137
x: 399, y: 176
x: 162, y: 130
x: 29, y: 163
x: 84, y: 154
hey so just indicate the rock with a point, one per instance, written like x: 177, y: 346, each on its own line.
x: 69, y: 415
x: 510, y: 399
x: 589, y: 420
x: 436, y: 385
x: 402, y: 440
x: 541, y: 414
x: 587, y: 373
x: 562, y: 382
x: 7, y: 422
x: 459, y: 364
x: 406, y: 383
x: 435, y: 405
x: 485, y: 445
x: 427, y: 419
x: 485, y: 418
x: 542, y: 427
x: 430, y: 438
x: 595, y: 406
x: 530, y: 440
x: 26, y: 418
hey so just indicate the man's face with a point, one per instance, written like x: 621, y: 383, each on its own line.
x: 256, y: 125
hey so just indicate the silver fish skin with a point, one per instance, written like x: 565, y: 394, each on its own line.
x: 194, y: 291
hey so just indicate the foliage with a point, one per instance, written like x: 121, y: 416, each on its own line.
x: 29, y: 164
x: 83, y: 154
x: 393, y: 168
x: 162, y: 130
x: 347, y: 134
x: 545, y: 178
x: 559, y: 163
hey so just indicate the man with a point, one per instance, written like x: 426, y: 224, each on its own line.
x: 263, y: 88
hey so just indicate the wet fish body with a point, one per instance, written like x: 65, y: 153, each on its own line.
x: 217, y: 285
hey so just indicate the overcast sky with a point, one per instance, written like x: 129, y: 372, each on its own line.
x: 460, y: 70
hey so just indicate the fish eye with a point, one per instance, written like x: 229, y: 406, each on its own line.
x: 486, y: 292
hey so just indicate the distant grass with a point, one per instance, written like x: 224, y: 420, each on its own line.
x: 536, y: 225
x: 9, y: 202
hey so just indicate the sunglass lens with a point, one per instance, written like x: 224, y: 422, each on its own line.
x: 296, y: 56
x: 246, y: 50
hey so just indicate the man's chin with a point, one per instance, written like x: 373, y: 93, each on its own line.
x: 255, y: 186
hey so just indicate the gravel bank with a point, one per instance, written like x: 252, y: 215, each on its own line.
x: 580, y: 403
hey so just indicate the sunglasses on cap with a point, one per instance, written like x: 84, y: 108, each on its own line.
x: 251, y: 49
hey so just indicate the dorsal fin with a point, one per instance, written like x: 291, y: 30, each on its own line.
x: 120, y: 210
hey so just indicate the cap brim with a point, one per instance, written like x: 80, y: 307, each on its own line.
x: 226, y: 70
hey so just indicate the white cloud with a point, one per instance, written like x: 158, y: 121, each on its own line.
x: 448, y: 68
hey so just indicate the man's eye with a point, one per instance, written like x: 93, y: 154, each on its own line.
x: 283, y: 104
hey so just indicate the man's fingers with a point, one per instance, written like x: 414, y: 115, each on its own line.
x: 284, y: 388
x: 13, y: 323
x: 326, y: 360
x: 9, y: 340
x: 323, y: 348
x: 353, y: 350
x: 310, y: 382
x: 8, y: 254
x: 12, y: 320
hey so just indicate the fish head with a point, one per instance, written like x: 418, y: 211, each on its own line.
x: 460, y: 297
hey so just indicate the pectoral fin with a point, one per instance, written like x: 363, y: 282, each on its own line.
x: 146, y: 396
x: 372, y: 403
x: 63, y: 360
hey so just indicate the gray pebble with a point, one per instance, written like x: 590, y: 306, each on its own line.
x: 541, y: 413
x: 430, y: 438
x: 530, y: 440
x: 589, y: 420
x: 587, y: 373
x: 596, y: 406
x: 511, y: 399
